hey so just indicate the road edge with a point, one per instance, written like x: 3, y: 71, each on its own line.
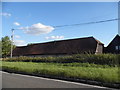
x: 89, y: 82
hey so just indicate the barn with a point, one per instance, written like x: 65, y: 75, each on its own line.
x: 61, y: 47
x: 114, y: 46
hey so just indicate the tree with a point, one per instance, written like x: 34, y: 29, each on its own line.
x: 6, y: 46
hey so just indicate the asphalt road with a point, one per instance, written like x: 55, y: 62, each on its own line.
x: 10, y: 80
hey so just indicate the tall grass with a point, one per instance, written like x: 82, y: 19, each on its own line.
x: 70, y: 70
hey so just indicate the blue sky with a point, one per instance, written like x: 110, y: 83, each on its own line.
x: 45, y: 15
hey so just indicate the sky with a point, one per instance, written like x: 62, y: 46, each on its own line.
x: 34, y: 22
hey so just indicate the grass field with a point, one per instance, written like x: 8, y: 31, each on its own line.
x: 104, y: 73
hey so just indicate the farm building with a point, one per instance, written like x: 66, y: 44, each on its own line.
x: 61, y: 47
x: 114, y: 46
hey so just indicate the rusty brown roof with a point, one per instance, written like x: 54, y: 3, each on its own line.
x: 69, y: 46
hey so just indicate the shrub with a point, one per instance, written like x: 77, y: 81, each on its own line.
x: 102, y: 59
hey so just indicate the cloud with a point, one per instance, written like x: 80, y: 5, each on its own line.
x: 17, y: 36
x: 38, y: 29
x: 5, y: 14
x: 55, y: 37
x: 19, y: 42
x: 16, y: 23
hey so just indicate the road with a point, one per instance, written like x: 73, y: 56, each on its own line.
x: 10, y: 80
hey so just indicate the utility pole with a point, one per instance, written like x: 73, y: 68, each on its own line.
x: 12, y: 42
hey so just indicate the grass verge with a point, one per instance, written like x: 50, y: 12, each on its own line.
x: 75, y: 70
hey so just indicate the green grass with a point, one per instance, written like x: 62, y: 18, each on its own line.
x: 104, y: 73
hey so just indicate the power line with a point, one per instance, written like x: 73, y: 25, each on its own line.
x: 87, y: 23
x: 102, y: 21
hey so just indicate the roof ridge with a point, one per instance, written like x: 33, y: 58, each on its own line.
x: 63, y: 40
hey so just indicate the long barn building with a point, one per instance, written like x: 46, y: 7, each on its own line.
x: 61, y: 47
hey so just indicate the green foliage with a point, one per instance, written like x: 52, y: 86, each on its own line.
x: 71, y: 70
x: 5, y: 43
x: 101, y: 59
x: 101, y: 67
x: 0, y: 49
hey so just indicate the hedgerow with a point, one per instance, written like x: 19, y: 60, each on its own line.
x: 102, y: 59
